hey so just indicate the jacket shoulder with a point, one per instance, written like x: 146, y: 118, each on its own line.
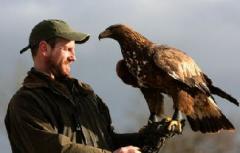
x: 20, y: 94
x: 85, y: 88
x: 85, y: 85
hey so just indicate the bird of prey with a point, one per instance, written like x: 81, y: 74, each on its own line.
x: 157, y: 69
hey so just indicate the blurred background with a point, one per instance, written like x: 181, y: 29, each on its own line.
x: 207, y: 30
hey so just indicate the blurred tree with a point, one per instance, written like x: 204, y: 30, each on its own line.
x: 192, y: 142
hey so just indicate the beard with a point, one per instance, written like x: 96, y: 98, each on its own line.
x: 59, y: 69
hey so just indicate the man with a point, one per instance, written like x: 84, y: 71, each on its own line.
x: 53, y: 112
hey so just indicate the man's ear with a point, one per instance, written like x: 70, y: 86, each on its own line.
x: 44, y: 48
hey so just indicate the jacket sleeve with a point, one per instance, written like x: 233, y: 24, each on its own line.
x: 126, y: 139
x: 29, y: 130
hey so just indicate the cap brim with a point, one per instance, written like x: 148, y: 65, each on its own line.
x: 24, y: 49
x: 78, y: 37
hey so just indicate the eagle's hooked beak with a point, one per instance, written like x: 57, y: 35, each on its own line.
x: 104, y: 34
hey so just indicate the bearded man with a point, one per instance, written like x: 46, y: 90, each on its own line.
x: 53, y: 112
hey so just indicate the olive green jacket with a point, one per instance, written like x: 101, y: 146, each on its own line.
x: 64, y: 116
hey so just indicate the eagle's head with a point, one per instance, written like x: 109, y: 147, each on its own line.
x: 125, y: 35
x: 116, y: 31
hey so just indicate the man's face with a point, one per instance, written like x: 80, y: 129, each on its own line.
x: 61, y: 57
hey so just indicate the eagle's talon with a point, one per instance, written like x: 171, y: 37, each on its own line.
x: 175, y: 126
x: 167, y: 119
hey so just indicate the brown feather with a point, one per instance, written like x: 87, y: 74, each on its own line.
x: 220, y: 92
x: 124, y: 74
x: 153, y: 97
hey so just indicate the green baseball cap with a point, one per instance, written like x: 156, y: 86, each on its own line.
x: 52, y: 28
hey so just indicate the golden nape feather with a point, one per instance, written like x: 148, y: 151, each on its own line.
x: 163, y: 69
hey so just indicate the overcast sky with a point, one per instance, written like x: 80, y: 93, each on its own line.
x: 208, y: 30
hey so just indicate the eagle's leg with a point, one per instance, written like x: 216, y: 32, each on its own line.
x: 176, y: 122
x: 152, y: 118
x: 177, y: 115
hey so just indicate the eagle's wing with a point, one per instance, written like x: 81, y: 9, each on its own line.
x: 202, y: 112
x: 153, y: 96
x: 180, y: 67
x: 125, y: 75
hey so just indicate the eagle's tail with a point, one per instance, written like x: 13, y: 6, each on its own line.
x: 223, y: 94
x: 207, y: 117
x: 220, y: 92
x: 210, y: 125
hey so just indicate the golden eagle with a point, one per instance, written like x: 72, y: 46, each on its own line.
x: 157, y: 69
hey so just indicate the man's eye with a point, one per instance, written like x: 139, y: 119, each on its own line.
x: 64, y: 48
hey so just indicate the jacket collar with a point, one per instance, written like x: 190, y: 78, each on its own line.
x: 36, y: 79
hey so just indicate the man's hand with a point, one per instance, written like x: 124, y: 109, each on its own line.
x: 128, y: 149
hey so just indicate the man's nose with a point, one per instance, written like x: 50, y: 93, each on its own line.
x: 72, y: 56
